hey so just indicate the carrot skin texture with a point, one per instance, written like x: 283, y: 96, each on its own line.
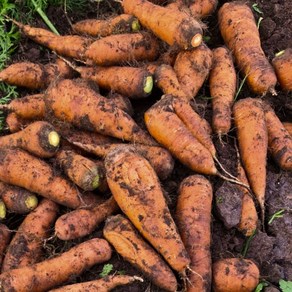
x: 131, y: 246
x: 288, y: 127
x: 17, y: 167
x: 240, y: 33
x: 136, y: 189
x: 25, y: 247
x: 122, y: 102
x: 52, y: 272
x: 5, y: 236
x: 173, y: 28
x: 222, y: 82
x: 243, y: 275
x: 193, y: 217
x: 81, y: 222
x: 253, y: 143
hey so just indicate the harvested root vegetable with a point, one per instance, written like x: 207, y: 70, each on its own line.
x: 288, y: 127
x: 173, y: 27
x: 122, y: 102
x: 39, y: 138
x: 240, y: 33
x: 13, y: 123
x: 133, y: 248
x: 192, y: 68
x: 193, y: 214
x: 16, y: 199
x: 4, y: 240
x: 235, y: 274
x: 136, y: 188
x: 19, y: 168
x: 25, y: 247
x: 81, y: 222
x: 49, y: 273
x: 117, y: 24
x: 222, y: 84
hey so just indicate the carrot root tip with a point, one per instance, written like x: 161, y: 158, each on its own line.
x: 54, y: 139
x: 196, y: 40
x: 148, y: 84
x: 31, y: 202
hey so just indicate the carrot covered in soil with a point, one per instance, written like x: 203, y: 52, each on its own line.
x: 74, y: 102
x: 81, y: 222
x: 282, y: 63
x: 17, y: 200
x: 49, y: 273
x: 116, y: 24
x: 222, y: 82
x: 39, y: 138
x: 136, y: 188
x: 19, y: 168
x: 288, y: 127
x: 4, y: 240
x: 240, y: 33
x: 133, y: 248
x: 25, y: 247
x: 193, y: 217
x: 235, y: 274
x: 173, y: 27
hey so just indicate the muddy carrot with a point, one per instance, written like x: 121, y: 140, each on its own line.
x: 4, y: 240
x: 288, y: 127
x: 122, y: 102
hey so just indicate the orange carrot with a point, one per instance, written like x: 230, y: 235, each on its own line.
x: 54, y: 271
x: 136, y: 189
x: 131, y: 246
x: 193, y: 214
x: 14, y: 123
x: 173, y: 27
x: 4, y: 240
x: 122, y: 102
x: 288, y: 127
x: 25, y: 247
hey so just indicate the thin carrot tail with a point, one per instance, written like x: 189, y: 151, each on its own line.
x: 235, y: 181
x: 224, y: 170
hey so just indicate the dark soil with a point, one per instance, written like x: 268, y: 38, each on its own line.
x: 270, y: 249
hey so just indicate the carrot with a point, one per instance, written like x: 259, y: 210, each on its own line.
x: 72, y: 101
x: 235, y: 274
x: 39, y: 138
x: 25, y: 247
x: 129, y: 81
x: 81, y: 222
x: 240, y: 33
x: 122, y: 102
x: 49, y: 273
x: 136, y: 189
x: 13, y: 123
x: 117, y: 49
x: 282, y: 63
x: 116, y: 24
x: 4, y: 240
x: 253, y: 144
x: 193, y: 214
x: 19, y: 168
x: 192, y: 68
x: 2, y: 210
x: 101, y: 285
x: 222, y: 82
x: 131, y: 246
x: 279, y: 139
x: 174, y: 28
x: 288, y: 127
x: 16, y: 199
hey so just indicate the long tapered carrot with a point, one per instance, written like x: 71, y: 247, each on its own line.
x: 173, y: 27
x: 136, y: 188
x: 25, y: 247
x: 126, y: 240
x: 5, y: 235
x: 49, y: 273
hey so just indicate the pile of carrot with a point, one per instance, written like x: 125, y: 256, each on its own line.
x: 83, y: 163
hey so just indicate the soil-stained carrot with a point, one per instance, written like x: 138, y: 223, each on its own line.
x: 26, y: 246
x: 129, y: 81
x: 235, y: 274
x: 192, y: 68
x: 19, y: 168
x: 133, y: 248
x: 49, y: 273
x: 13, y: 123
x: 222, y: 82
x: 282, y: 64
x: 39, y: 138
x: 193, y: 217
x: 116, y: 24
x: 105, y: 284
x: 127, y: 47
x: 173, y: 27
x: 17, y: 200
x: 4, y: 240
x: 122, y: 102
x: 136, y: 188
x: 74, y: 102
x: 279, y: 139
x: 288, y: 127
x: 81, y: 222
x: 252, y: 137
x: 240, y: 33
